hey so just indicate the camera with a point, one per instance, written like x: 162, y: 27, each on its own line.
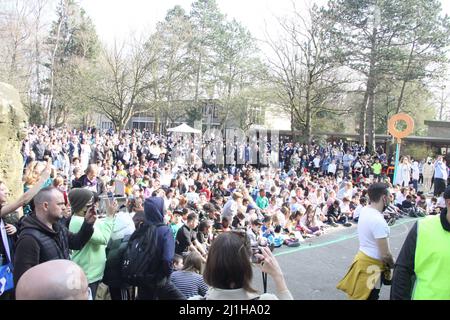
x: 255, y: 259
x: 257, y: 250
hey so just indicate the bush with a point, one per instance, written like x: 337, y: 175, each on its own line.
x: 416, y: 151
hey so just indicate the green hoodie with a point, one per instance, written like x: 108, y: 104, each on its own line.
x: 92, y: 257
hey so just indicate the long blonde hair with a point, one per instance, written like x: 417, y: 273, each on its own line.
x: 31, y: 175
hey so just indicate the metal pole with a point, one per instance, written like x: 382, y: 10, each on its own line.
x: 397, y: 158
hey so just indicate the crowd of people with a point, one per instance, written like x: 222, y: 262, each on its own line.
x: 97, y: 192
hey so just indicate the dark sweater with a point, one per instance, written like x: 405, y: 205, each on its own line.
x: 334, y: 212
x: 404, y: 277
x: 154, y: 214
x: 407, y: 204
x: 38, y: 243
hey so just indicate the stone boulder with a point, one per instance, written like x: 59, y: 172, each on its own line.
x: 13, y: 122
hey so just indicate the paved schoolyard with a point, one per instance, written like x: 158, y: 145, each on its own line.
x: 313, y: 269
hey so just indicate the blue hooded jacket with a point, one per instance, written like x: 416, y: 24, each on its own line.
x: 154, y: 214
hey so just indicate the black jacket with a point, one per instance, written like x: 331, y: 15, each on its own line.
x: 334, y: 212
x: 404, y: 277
x: 39, y: 151
x: 38, y: 244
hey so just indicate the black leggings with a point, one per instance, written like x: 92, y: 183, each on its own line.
x: 439, y: 186
x: 343, y: 219
x: 374, y: 294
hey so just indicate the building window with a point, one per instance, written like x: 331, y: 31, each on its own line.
x: 106, y: 125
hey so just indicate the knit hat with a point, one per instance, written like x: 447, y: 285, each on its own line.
x: 79, y: 198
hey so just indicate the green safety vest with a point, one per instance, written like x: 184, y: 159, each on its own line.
x: 432, y: 261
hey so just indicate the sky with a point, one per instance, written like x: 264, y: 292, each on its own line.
x: 117, y: 19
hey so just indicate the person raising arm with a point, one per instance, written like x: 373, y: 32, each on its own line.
x: 27, y: 196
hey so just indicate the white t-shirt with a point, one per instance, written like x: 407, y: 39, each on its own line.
x: 399, y: 198
x: 357, y: 212
x: 371, y: 226
x: 316, y: 162
x: 332, y: 168
x: 268, y: 185
x: 345, y: 208
x: 192, y: 197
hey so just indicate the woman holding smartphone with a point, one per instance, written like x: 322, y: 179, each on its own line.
x: 92, y: 257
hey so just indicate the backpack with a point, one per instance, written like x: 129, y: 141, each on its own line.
x: 112, y: 275
x: 140, y: 264
x: 292, y: 243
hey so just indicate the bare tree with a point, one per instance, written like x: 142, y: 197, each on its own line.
x: 15, y: 34
x: 121, y: 85
x: 38, y: 11
x: 309, y: 81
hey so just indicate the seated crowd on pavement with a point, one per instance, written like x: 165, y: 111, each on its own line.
x: 90, y: 194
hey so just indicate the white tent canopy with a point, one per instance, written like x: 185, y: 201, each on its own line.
x: 184, y: 128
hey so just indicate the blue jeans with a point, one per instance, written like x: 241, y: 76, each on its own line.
x: 346, y: 170
x: 415, y: 182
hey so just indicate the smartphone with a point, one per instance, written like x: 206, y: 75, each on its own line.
x: 121, y: 201
x: 256, y: 250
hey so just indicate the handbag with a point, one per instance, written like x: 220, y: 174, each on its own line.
x: 6, y: 270
x: 6, y: 278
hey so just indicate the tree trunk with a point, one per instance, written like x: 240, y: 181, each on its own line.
x: 13, y: 67
x: 362, y: 118
x: 52, y: 74
x: 227, y: 107
x: 368, y: 106
x: 405, y: 79
x: 197, y: 80
x: 38, y: 57
x: 157, y: 120
x: 371, y: 121
x: 308, y: 128
x: 292, y: 122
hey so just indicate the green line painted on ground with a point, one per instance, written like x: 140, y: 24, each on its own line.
x: 326, y: 243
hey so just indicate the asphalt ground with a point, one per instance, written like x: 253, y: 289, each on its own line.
x: 313, y: 270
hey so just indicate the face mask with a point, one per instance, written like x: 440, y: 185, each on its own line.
x: 386, y: 204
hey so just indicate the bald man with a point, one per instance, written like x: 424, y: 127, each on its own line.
x: 53, y: 280
x: 42, y: 238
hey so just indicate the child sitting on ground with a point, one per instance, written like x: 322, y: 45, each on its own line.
x: 267, y: 230
x: 422, y: 203
x: 410, y: 207
x: 310, y: 224
x: 177, y: 262
x: 433, y: 208
x: 357, y: 212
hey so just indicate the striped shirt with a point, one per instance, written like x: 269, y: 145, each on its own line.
x: 189, y: 283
